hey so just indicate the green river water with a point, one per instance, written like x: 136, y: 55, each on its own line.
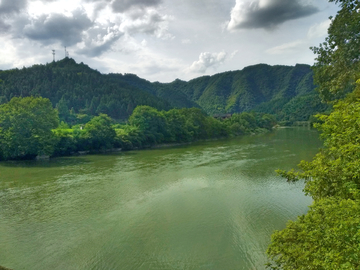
x: 208, y: 205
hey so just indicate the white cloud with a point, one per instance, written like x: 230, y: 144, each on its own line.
x: 233, y: 54
x: 206, y: 60
x: 318, y: 30
x: 144, y: 43
x: 315, y: 31
x: 151, y: 22
x: 99, y: 39
x: 288, y: 48
x: 186, y: 41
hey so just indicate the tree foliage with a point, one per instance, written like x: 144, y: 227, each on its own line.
x: 26, y: 127
x: 147, y: 127
x: 338, y: 57
x: 328, y: 236
x: 99, y: 133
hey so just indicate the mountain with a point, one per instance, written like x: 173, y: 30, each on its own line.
x: 285, y: 91
x: 78, y: 87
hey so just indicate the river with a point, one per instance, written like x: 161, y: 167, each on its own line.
x: 207, y: 205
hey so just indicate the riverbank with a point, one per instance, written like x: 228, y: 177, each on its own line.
x: 258, y: 131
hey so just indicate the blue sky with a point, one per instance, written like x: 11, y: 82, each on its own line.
x: 161, y: 40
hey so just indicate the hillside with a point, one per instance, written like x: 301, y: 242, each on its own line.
x: 71, y: 85
x: 285, y: 91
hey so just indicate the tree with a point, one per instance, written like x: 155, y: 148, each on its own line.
x: 63, y: 109
x: 26, y: 127
x: 99, y: 132
x: 338, y: 58
x: 151, y: 122
x: 328, y: 236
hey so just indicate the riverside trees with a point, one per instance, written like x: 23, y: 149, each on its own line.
x: 29, y: 127
x: 328, y: 236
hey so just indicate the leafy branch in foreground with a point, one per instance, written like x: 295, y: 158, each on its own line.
x: 338, y: 58
x: 328, y: 236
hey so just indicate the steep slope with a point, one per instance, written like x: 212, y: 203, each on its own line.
x: 176, y: 99
x: 243, y: 90
x: 285, y: 91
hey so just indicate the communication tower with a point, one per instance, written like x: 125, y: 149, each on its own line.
x: 66, y: 52
x: 53, y: 53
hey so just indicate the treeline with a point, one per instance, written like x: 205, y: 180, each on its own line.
x: 30, y: 127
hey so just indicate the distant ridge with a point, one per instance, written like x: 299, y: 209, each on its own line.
x: 286, y: 91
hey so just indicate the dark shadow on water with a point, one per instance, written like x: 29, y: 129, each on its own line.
x: 51, y: 163
x: 60, y: 161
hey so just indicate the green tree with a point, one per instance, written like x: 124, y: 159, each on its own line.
x: 177, y: 126
x: 99, y: 132
x: 26, y: 127
x: 328, y: 236
x: 151, y: 122
x: 63, y: 110
x: 338, y: 58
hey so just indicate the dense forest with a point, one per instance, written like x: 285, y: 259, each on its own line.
x: 280, y: 90
x: 76, y: 90
x: 79, y: 92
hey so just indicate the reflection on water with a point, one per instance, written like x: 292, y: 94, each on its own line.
x: 210, y: 205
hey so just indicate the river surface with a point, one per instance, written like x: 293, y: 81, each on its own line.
x: 208, y: 205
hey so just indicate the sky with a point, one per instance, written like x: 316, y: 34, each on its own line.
x: 163, y: 40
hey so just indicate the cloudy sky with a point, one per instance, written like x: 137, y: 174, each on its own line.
x: 161, y: 40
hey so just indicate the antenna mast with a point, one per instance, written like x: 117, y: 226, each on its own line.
x: 66, y: 52
x: 53, y: 53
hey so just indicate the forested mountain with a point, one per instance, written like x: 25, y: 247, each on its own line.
x: 76, y: 86
x: 288, y: 92
x: 285, y: 91
x: 175, y: 98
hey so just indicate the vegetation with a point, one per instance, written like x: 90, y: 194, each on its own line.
x: 328, y: 236
x: 338, y: 58
x: 30, y: 127
x: 262, y: 88
x: 25, y: 128
x: 77, y: 91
